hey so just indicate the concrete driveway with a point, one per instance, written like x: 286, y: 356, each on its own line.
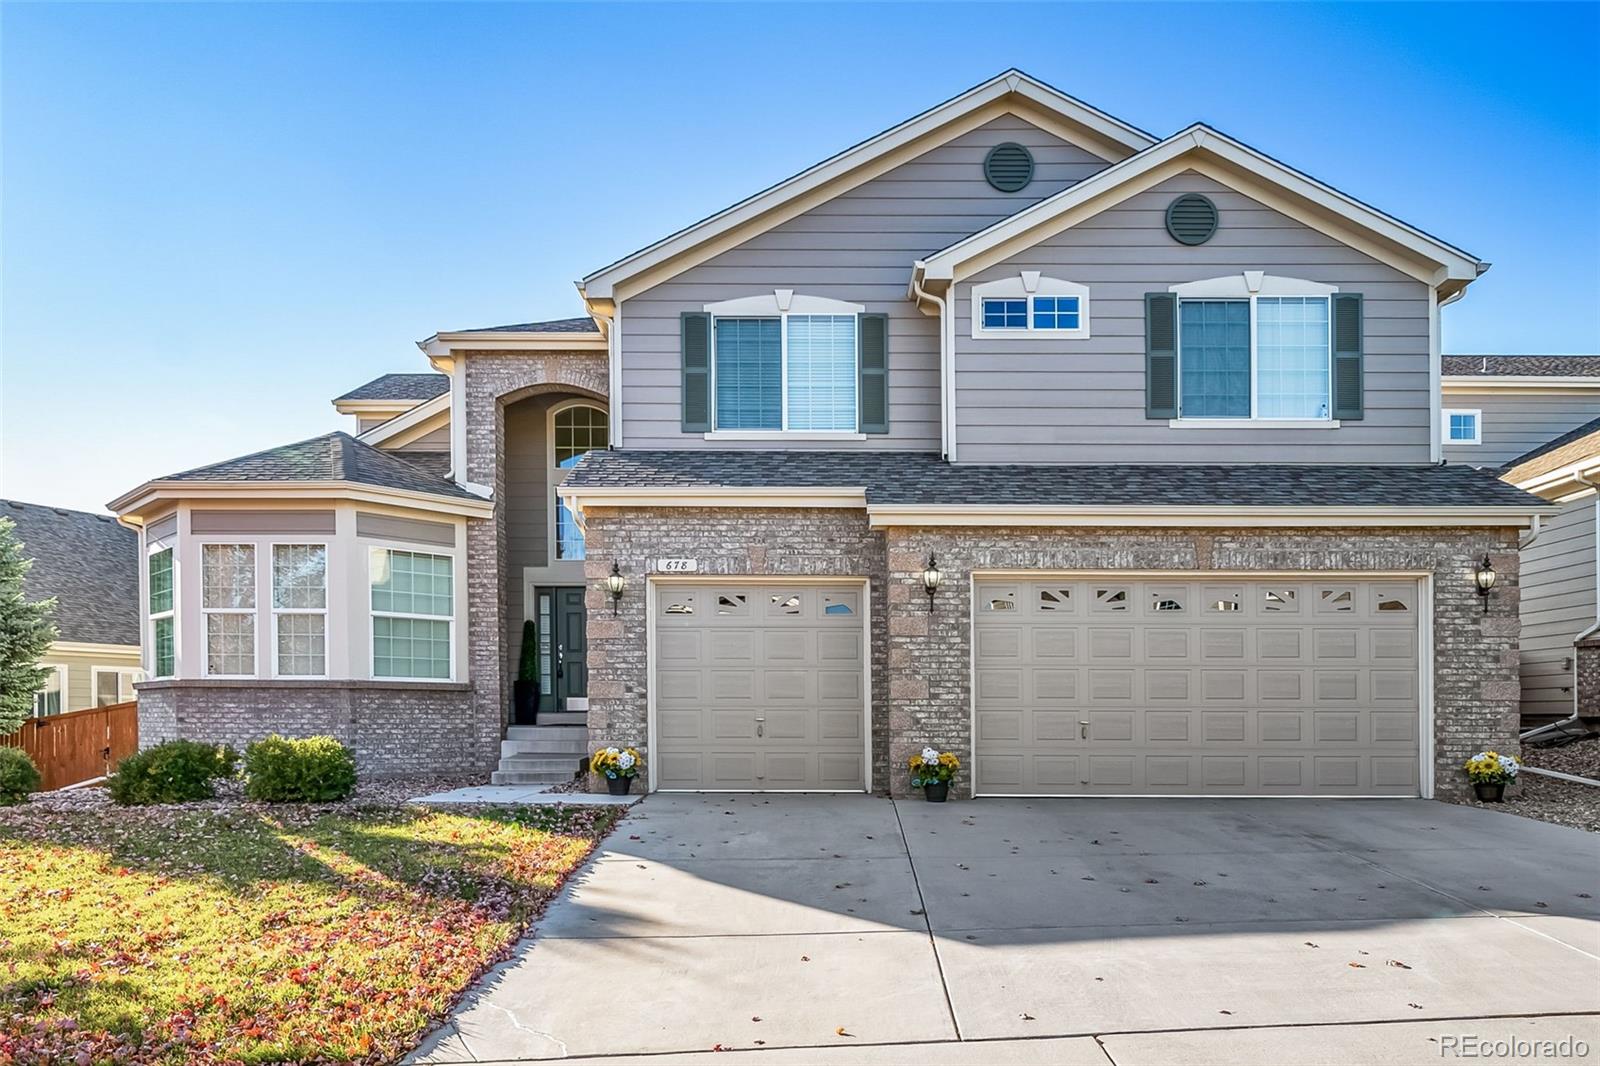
x: 850, y: 929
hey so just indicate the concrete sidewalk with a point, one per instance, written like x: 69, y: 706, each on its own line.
x: 1063, y: 931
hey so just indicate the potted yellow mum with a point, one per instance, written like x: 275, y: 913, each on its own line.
x: 1490, y: 773
x: 932, y: 771
x: 619, y: 766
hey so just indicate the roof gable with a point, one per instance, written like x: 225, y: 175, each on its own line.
x: 1206, y: 151
x: 1011, y: 92
x: 1578, y: 449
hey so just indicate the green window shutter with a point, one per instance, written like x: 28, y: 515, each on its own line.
x: 1348, y: 386
x: 874, y: 381
x: 695, y: 336
x: 1160, y: 355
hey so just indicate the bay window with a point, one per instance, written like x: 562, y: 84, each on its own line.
x: 413, y: 614
x: 228, y: 602
x: 163, y: 653
x: 300, y: 609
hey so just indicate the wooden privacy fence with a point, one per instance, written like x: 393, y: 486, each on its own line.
x: 79, y: 745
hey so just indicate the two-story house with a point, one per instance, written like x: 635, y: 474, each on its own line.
x: 1110, y: 462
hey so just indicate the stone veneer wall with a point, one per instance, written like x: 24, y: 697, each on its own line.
x: 393, y: 728
x: 822, y: 542
x: 1588, y: 653
x: 921, y: 651
x: 493, y: 380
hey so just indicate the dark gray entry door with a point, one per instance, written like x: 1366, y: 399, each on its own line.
x: 571, y: 646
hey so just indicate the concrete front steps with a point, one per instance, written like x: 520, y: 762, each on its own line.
x: 543, y: 754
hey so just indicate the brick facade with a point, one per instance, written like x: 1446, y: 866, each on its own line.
x: 393, y: 728
x: 921, y: 652
x: 493, y: 380
x: 1588, y: 653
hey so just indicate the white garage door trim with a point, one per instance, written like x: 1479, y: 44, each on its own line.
x: 1425, y: 653
x: 655, y: 582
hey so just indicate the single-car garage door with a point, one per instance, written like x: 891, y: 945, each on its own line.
x: 760, y: 687
x: 1213, y: 687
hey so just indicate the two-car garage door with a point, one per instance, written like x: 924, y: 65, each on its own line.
x: 1216, y: 687
x: 760, y: 687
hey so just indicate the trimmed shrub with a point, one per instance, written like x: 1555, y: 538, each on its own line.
x: 178, y: 771
x: 18, y: 777
x: 312, y: 770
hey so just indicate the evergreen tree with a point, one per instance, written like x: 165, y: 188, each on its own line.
x: 26, y: 632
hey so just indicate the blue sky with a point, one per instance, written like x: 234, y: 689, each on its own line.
x: 218, y: 217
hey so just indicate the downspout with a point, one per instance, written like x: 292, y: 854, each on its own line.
x: 1573, y: 717
x: 946, y: 384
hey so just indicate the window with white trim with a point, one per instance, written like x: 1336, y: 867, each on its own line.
x: 1463, y: 426
x: 574, y: 430
x: 114, y: 684
x: 1255, y: 353
x: 228, y: 603
x: 785, y: 363
x: 163, y: 645
x: 413, y: 614
x: 51, y: 699
x: 300, y: 610
x: 1029, y: 304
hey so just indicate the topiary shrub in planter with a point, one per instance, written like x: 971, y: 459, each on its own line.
x: 178, y: 771
x: 18, y: 777
x: 312, y: 770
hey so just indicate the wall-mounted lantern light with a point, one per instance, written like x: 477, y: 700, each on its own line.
x: 1485, y: 577
x: 931, y: 577
x: 615, y: 583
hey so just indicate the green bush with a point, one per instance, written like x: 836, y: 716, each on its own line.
x: 18, y: 776
x: 178, y: 771
x: 313, y: 770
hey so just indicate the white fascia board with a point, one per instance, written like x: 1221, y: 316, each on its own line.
x: 411, y: 419
x: 976, y: 515
x: 1562, y: 479
x: 1519, y: 383
x: 79, y: 647
x: 1451, y: 262
x: 441, y: 344
x: 375, y: 407
x: 153, y: 492
x: 601, y: 284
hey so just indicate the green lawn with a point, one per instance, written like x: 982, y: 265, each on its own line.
x: 261, y: 935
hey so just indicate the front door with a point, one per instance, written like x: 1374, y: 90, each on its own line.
x: 571, y: 681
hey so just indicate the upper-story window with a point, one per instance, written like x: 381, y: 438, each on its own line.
x: 785, y: 363
x: 574, y: 430
x: 1262, y: 353
x: 1463, y: 427
x: 1030, y: 304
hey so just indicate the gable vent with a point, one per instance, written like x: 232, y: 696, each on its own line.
x: 1191, y: 219
x: 1008, y: 167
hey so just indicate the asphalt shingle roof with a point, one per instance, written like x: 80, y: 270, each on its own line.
x: 1570, y: 447
x: 331, y: 457
x: 555, y: 325
x: 921, y: 478
x: 400, y: 387
x: 1556, y: 366
x: 89, y: 564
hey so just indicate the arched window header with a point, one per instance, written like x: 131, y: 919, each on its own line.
x: 782, y: 302
x: 1029, y: 304
x: 1250, y: 283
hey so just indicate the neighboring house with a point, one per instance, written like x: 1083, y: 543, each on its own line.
x: 1560, y: 570
x: 1156, y: 420
x: 1499, y: 407
x: 90, y: 565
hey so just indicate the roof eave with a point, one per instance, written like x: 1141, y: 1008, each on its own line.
x: 442, y: 344
x: 132, y: 505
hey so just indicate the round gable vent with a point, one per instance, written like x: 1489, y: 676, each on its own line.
x: 1008, y: 167
x: 1191, y: 219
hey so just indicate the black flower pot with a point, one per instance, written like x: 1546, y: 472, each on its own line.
x: 1489, y: 793
x: 524, y: 702
x: 936, y: 791
x: 619, y: 786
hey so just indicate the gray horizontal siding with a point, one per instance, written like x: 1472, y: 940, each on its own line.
x: 1077, y: 401
x: 437, y: 440
x: 1515, y: 423
x: 858, y: 247
x: 1558, y: 602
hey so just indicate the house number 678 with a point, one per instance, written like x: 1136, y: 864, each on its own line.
x: 677, y: 566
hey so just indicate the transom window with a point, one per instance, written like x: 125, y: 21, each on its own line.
x: 413, y: 613
x: 575, y: 430
x: 1462, y: 427
x: 1029, y: 304
x: 1048, y: 312
x: 792, y: 372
